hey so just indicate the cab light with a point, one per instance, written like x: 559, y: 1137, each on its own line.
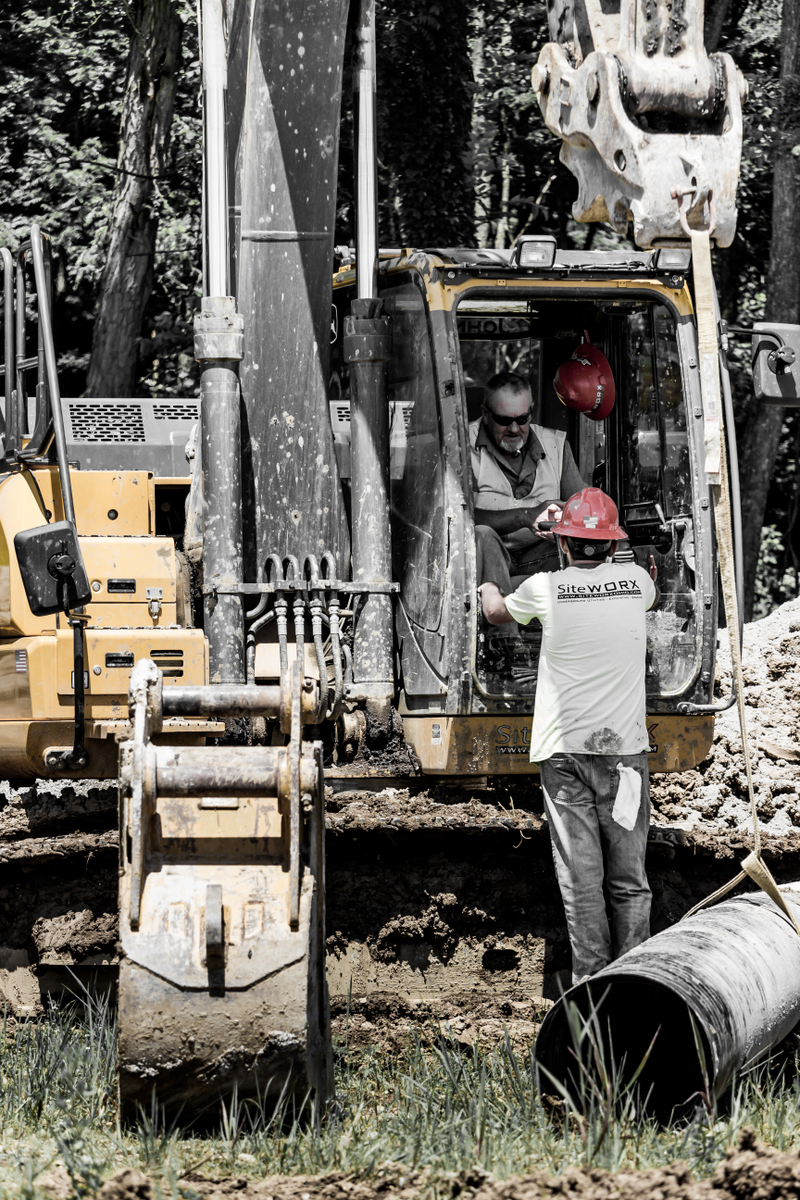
x: 535, y: 252
x: 674, y: 260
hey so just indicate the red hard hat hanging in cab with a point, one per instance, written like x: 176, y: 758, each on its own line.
x: 585, y: 382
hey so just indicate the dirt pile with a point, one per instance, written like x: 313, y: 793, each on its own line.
x: 749, y: 1170
x: 515, y: 803
x: 714, y: 795
x: 388, y: 1020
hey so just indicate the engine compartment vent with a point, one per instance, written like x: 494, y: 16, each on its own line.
x: 97, y: 423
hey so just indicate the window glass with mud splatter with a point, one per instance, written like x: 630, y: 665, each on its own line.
x: 656, y: 490
x: 419, y: 528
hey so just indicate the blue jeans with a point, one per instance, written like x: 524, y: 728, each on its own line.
x: 579, y: 792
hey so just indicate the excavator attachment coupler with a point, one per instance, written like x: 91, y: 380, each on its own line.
x: 222, y: 980
x: 646, y: 116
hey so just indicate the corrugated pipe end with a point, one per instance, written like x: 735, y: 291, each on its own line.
x: 629, y: 1020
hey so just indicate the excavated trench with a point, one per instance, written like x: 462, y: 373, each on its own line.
x: 437, y: 897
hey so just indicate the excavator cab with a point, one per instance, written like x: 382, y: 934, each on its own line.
x: 459, y: 317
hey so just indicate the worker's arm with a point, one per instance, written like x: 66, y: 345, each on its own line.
x: 571, y: 481
x: 494, y: 605
x: 509, y: 520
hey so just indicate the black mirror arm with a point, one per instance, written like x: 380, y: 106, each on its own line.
x: 74, y: 759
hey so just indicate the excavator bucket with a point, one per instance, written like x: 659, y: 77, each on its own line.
x: 651, y: 124
x: 221, y: 904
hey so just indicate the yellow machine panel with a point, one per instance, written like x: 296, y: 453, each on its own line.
x: 36, y: 673
x: 120, y: 573
x: 15, y: 693
x: 111, y: 503
x: 111, y: 654
x: 120, y: 569
x: 500, y: 745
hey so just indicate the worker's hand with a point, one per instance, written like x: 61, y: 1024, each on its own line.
x: 653, y: 569
x: 551, y: 513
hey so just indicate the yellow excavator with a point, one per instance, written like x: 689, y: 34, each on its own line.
x: 225, y: 602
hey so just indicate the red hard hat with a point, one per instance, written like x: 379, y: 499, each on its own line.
x: 585, y: 382
x: 590, y: 515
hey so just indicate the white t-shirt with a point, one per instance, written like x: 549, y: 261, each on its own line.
x: 590, y: 695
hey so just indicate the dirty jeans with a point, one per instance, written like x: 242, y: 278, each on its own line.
x: 579, y: 792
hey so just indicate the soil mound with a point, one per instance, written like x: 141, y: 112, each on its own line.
x: 714, y: 795
x: 750, y: 1169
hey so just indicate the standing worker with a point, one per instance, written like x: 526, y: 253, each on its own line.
x: 589, y: 733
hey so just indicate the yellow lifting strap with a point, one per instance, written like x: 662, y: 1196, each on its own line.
x: 716, y: 467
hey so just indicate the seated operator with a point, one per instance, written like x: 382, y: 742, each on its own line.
x: 520, y: 470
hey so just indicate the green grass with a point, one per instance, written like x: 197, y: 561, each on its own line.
x: 433, y: 1109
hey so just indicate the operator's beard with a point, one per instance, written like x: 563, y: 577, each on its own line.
x: 516, y: 448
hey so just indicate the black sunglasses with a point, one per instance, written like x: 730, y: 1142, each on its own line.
x: 522, y: 419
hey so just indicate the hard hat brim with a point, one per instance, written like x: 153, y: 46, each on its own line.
x: 615, y: 534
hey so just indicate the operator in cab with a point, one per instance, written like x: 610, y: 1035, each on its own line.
x: 589, y: 733
x: 521, y: 470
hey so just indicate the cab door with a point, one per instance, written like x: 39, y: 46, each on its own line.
x: 418, y: 490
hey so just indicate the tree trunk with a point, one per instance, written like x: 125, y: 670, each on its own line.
x: 144, y: 143
x: 502, y: 229
x: 762, y: 433
x: 482, y: 178
x: 716, y: 14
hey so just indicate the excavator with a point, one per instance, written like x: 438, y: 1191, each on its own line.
x: 225, y: 602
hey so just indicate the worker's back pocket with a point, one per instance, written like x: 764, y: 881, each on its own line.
x: 560, y: 780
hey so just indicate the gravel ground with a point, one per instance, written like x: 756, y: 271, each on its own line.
x: 714, y: 796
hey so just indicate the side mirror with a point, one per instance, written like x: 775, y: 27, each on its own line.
x: 776, y: 363
x: 51, y: 565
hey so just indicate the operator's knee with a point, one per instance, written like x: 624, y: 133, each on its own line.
x: 486, y: 537
x: 492, y: 558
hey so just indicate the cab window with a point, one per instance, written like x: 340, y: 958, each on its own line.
x: 419, y: 528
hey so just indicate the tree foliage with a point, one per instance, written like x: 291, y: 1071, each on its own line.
x: 62, y: 68
x: 464, y: 159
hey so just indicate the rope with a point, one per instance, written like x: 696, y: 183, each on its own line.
x: 716, y: 466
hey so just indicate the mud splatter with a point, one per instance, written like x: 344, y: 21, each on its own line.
x: 603, y: 741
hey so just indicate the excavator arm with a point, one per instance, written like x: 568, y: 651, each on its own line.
x: 651, y: 124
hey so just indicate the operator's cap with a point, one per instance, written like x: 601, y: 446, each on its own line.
x: 590, y: 515
x: 585, y: 382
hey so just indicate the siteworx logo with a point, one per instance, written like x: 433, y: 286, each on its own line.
x: 614, y: 587
x: 512, y: 741
x: 652, y: 747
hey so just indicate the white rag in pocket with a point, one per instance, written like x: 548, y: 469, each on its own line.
x: 628, y: 798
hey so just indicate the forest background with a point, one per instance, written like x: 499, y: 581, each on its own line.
x: 100, y: 142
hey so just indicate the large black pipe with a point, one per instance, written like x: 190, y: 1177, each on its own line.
x: 713, y: 995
